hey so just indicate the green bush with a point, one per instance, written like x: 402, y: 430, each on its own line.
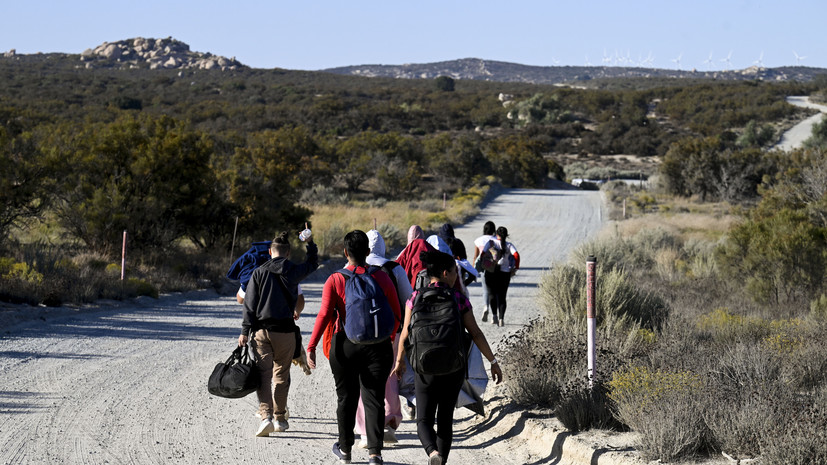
x: 142, y: 288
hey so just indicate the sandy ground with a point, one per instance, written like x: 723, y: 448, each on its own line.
x: 122, y: 383
x: 795, y: 136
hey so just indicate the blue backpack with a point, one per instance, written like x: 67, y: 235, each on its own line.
x: 369, y: 318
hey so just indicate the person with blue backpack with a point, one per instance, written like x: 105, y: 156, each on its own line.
x: 360, y: 312
x: 438, y: 319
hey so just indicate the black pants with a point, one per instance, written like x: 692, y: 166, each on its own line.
x: 365, y: 368
x: 497, y: 282
x: 436, y: 399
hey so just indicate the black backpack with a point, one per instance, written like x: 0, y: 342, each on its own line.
x: 435, y: 343
x: 422, y: 280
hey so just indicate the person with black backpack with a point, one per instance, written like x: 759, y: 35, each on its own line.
x: 361, y: 308
x: 438, y: 319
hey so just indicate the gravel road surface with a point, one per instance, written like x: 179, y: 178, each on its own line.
x: 122, y: 383
x: 794, y: 138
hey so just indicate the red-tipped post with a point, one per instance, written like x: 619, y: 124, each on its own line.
x: 591, y: 267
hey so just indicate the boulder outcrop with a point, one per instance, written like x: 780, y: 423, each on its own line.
x: 154, y: 54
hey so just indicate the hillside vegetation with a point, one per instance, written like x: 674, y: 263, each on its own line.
x: 175, y: 156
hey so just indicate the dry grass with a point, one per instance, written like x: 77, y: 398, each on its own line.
x: 329, y: 221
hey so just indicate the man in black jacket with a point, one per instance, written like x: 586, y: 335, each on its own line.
x: 270, y: 317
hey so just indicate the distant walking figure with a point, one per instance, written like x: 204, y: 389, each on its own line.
x: 434, y: 330
x: 498, y: 280
x: 488, y: 234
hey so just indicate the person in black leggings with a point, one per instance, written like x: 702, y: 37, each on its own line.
x: 499, y: 279
x: 436, y: 395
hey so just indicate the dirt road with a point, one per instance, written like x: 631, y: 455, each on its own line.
x: 126, y: 383
x: 794, y: 138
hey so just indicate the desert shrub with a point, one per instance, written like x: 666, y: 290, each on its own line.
x: 662, y: 407
x: 818, y: 308
x: 583, y: 408
x: 800, y: 441
x: 332, y: 240
x: 541, y: 360
x: 141, y: 287
x: 637, y: 253
x: 619, y: 305
x: 323, y: 195
x: 392, y: 236
x: 737, y: 420
x: 667, y: 262
x: 557, y: 379
x: 700, y: 256
x: 725, y: 327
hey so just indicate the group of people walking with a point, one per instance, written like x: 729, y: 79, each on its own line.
x: 389, y: 328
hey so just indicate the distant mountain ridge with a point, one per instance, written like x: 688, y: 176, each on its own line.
x: 488, y: 70
x: 169, y: 53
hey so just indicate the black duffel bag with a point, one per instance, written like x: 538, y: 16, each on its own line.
x: 236, y: 377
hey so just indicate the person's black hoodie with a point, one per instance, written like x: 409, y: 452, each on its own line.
x: 272, y: 293
x: 446, y: 233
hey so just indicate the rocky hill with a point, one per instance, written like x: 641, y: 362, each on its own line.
x: 146, y: 53
x: 486, y: 70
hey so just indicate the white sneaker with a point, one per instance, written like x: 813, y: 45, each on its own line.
x: 390, y: 436
x: 281, y: 426
x: 363, y: 442
x: 409, y: 412
x: 265, y: 428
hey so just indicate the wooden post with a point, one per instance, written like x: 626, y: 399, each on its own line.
x: 232, y: 246
x: 123, y: 256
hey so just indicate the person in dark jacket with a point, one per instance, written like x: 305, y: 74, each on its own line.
x: 269, y: 316
x: 446, y: 233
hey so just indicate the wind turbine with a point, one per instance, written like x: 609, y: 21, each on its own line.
x: 727, y: 60
x: 708, y: 61
x: 588, y: 63
x: 760, y: 61
x: 798, y: 58
x: 678, y: 60
x: 607, y: 60
x: 650, y: 60
x: 555, y: 61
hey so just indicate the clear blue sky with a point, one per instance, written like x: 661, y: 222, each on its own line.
x: 318, y: 34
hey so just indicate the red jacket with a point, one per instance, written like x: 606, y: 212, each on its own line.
x: 332, y: 312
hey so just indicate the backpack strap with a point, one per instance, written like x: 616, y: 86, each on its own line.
x: 388, y: 268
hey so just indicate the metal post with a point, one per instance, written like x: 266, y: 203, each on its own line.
x: 624, y: 208
x: 444, y: 200
x: 123, y: 256
x: 591, y: 266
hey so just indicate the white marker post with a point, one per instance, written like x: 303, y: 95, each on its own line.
x: 591, y: 266
x: 123, y: 256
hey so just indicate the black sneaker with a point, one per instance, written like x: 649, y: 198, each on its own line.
x: 340, y: 454
x: 377, y: 460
